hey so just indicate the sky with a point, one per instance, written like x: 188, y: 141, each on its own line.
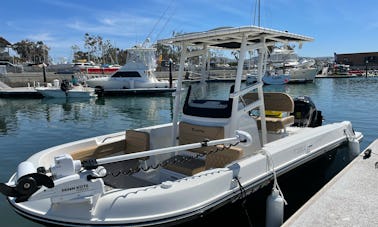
x: 341, y: 26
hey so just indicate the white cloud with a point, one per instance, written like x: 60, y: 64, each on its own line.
x: 41, y: 37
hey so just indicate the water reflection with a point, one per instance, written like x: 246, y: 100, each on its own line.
x: 118, y: 112
x: 11, y: 109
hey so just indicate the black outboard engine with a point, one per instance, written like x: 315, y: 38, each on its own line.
x: 65, y: 85
x: 305, y: 113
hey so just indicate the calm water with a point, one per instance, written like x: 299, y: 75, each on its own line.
x: 30, y: 125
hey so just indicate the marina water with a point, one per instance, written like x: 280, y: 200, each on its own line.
x: 30, y: 125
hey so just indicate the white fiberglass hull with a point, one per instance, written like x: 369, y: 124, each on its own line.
x: 303, y: 75
x: 73, y: 93
x: 275, y: 79
x: 109, y: 83
x: 178, y: 197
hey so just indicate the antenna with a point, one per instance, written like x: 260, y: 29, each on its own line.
x: 259, y: 12
x: 257, y: 8
x: 157, y: 22
x: 165, y: 24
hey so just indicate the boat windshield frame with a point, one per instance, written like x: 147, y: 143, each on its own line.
x: 204, y: 107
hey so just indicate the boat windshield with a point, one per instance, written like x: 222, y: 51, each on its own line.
x: 203, y: 102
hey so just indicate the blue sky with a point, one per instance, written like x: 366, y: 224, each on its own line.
x: 341, y: 26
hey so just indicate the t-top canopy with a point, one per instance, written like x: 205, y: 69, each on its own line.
x: 231, y: 38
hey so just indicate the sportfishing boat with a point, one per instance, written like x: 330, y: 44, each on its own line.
x: 66, y: 90
x: 137, y: 73
x: 214, y: 150
x: 284, y: 61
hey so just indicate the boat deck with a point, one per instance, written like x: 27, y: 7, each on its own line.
x: 350, y: 199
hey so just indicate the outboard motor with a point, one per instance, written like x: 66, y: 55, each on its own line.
x: 65, y: 85
x: 305, y: 113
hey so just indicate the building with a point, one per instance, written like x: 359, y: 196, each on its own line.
x: 358, y: 60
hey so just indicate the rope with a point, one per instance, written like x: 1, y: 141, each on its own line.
x: 243, y: 194
x: 158, y: 21
x: 349, y: 136
x: 275, y: 181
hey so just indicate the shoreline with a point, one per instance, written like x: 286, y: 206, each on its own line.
x: 26, y: 79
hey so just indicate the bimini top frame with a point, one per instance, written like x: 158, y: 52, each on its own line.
x: 243, y: 39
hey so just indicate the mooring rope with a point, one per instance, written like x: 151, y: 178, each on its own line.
x: 275, y: 181
x: 243, y: 194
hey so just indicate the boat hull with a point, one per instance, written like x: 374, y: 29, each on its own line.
x: 205, y: 191
x: 73, y: 93
x: 276, y: 79
x: 109, y: 83
x: 303, y: 75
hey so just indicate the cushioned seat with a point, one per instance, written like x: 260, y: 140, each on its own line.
x: 274, y: 102
x: 276, y: 124
x: 191, y: 133
x: 137, y: 141
x: 185, y: 164
x: 223, y: 157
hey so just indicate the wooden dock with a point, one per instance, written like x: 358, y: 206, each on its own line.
x: 349, y: 199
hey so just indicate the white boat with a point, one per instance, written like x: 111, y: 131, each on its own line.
x: 275, y: 79
x: 85, y: 65
x: 137, y: 73
x: 212, y: 152
x: 302, y: 74
x: 285, y: 61
x: 66, y: 90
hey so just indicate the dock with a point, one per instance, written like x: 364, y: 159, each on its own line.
x: 336, y: 76
x: 349, y: 199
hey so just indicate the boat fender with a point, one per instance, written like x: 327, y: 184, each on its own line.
x: 353, y: 144
x: 244, y: 137
x: 274, y: 209
x: 354, y: 148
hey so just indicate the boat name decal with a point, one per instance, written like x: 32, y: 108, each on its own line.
x: 78, y: 188
x: 197, y: 130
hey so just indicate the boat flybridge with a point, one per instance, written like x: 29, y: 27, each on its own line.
x: 214, y: 150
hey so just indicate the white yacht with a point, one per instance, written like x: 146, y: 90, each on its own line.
x: 214, y: 152
x: 284, y: 60
x: 137, y: 73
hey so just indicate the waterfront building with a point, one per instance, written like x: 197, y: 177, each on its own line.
x: 364, y: 60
